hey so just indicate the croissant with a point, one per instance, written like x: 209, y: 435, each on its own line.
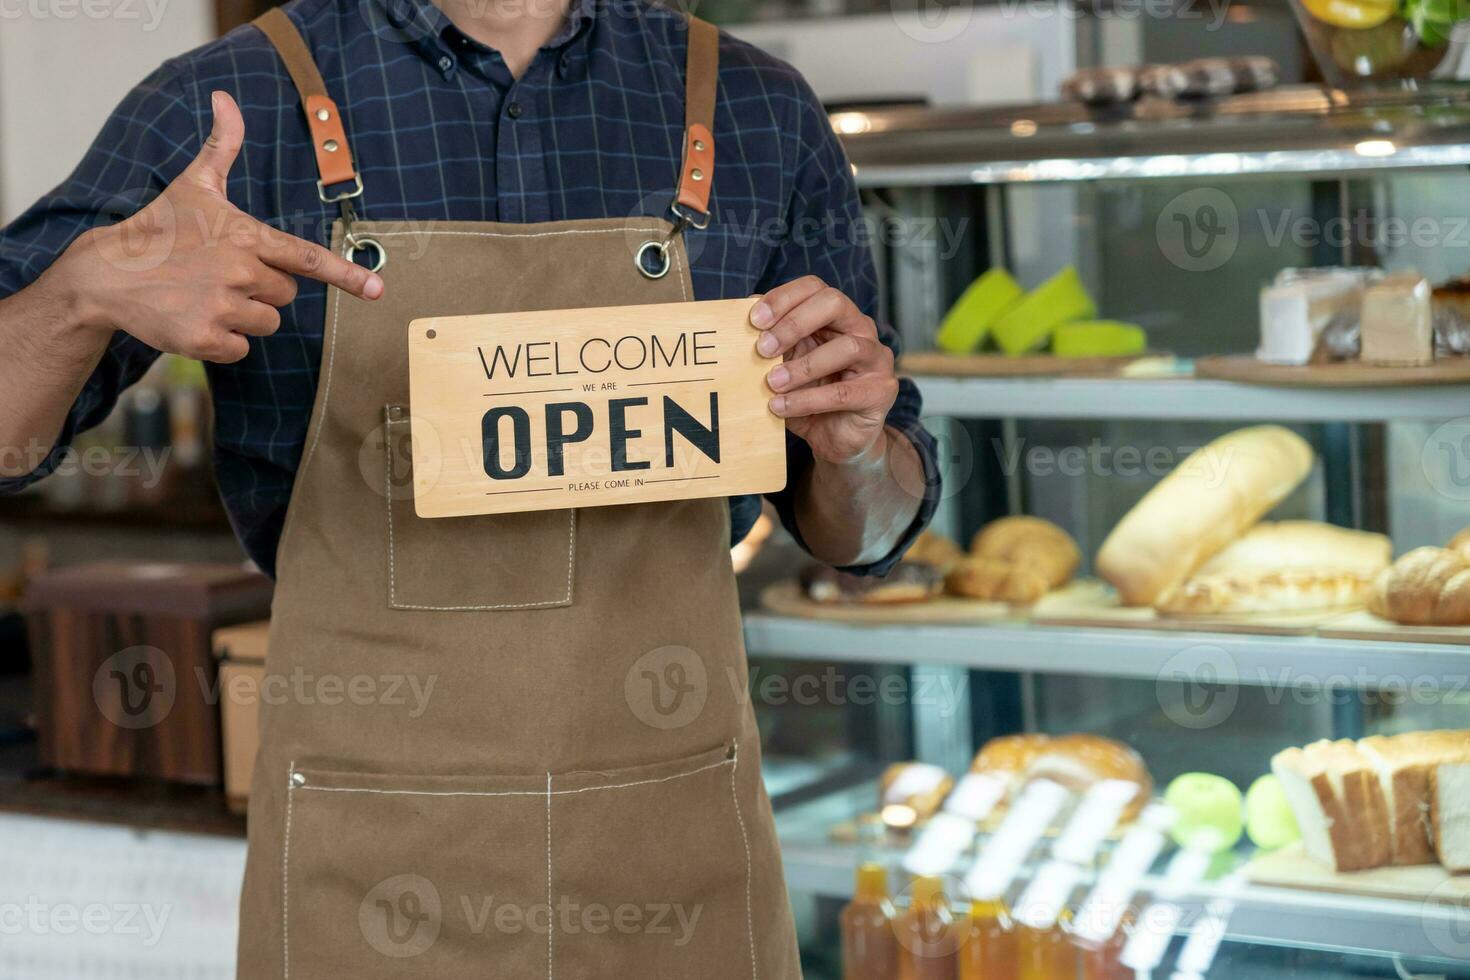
x: 1426, y: 587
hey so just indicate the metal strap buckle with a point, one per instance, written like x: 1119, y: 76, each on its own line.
x: 321, y: 192
x: 687, y: 219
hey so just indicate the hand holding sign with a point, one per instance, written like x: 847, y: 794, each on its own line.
x: 837, y: 381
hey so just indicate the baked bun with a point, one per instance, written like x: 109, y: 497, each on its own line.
x: 933, y: 548
x: 1079, y: 761
x: 1010, y: 753
x: 907, y: 582
x: 1426, y: 587
x: 1461, y: 543
x: 996, y: 581
x: 1074, y: 761
x: 1030, y: 544
x: 912, y: 792
x: 1209, y: 501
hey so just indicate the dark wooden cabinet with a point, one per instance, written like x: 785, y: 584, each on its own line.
x: 124, y: 674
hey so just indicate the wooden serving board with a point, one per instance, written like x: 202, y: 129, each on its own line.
x: 788, y: 599
x: 1247, y: 369
x: 1364, y: 625
x: 1001, y: 366
x: 1290, y: 867
x: 1101, y: 609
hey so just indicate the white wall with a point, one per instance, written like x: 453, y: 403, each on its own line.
x: 64, y: 65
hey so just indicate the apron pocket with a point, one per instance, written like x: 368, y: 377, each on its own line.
x: 451, y: 564
x: 651, y: 872
x: 641, y: 872
x: 411, y: 876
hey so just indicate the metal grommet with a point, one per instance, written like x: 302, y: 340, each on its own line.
x: 298, y: 779
x: 697, y: 174
x: 330, y: 146
x: 323, y: 115
x: 641, y: 260
x: 699, y: 146
x: 355, y: 244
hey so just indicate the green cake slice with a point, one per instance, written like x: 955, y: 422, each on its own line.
x: 1098, y: 338
x: 969, y: 321
x: 1028, y: 325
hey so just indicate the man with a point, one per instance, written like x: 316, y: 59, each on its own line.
x: 585, y: 753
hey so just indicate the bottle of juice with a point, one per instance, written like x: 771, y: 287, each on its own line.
x: 1046, y: 954
x: 928, y: 936
x: 988, y: 951
x: 869, y: 944
x: 1102, y: 962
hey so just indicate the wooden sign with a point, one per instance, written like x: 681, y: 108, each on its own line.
x: 584, y: 408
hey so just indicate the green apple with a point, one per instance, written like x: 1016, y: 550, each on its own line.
x: 1208, y: 811
x: 1268, y: 817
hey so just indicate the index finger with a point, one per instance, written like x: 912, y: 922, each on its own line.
x: 302, y: 258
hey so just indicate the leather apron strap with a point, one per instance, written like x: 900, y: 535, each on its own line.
x: 701, y: 82
x: 334, y: 156
x: 328, y: 136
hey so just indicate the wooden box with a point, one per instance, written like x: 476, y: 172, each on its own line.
x: 125, y: 677
x: 241, y: 653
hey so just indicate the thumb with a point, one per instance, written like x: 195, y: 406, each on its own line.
x: 212, y: 166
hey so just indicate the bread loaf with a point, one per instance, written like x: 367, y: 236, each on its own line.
x: 1210, y: 500
x: 1426, y: 587
x: 1450, y: 814
x: 1338, y: 802
x: 1404, y: 764
x: 1289, y: 566
x: 1461, y: 543
x: 996, y: 581
x: 933, y: 548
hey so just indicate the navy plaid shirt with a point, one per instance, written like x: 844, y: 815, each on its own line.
x: 440, y: 130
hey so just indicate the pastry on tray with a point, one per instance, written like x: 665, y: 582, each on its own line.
x: 1016, y: 560
x: 1077, y: 762
x: 1291, y: 566
x: 908, y: 582
x: 1426, y: 587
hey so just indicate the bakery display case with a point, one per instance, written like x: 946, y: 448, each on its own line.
x: 1182, y: 672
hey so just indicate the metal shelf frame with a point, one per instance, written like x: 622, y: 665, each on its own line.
x: 1185, y: 399
x: 1159, y: 655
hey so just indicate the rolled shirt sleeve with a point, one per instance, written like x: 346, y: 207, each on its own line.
x: 146, y: 142
x: 825, y: 236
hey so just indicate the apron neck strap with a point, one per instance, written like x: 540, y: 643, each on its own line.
x: 696, y: 177
x: 328, y: 136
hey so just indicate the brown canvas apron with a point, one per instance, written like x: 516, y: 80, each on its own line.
x: 516, y: 746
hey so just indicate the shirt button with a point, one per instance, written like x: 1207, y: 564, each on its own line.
x: 446, y: 63
x: 514, y: 110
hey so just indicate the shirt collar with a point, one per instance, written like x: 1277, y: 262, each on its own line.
x: 422, y: 25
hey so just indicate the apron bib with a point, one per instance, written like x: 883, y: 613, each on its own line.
x: 508, y: 746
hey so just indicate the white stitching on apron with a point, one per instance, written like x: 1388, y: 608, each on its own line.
x: 286, y: 878
x: 392, y: 565
x: 520, y: 792
x: 550, y: 923
x: 744, y: 839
